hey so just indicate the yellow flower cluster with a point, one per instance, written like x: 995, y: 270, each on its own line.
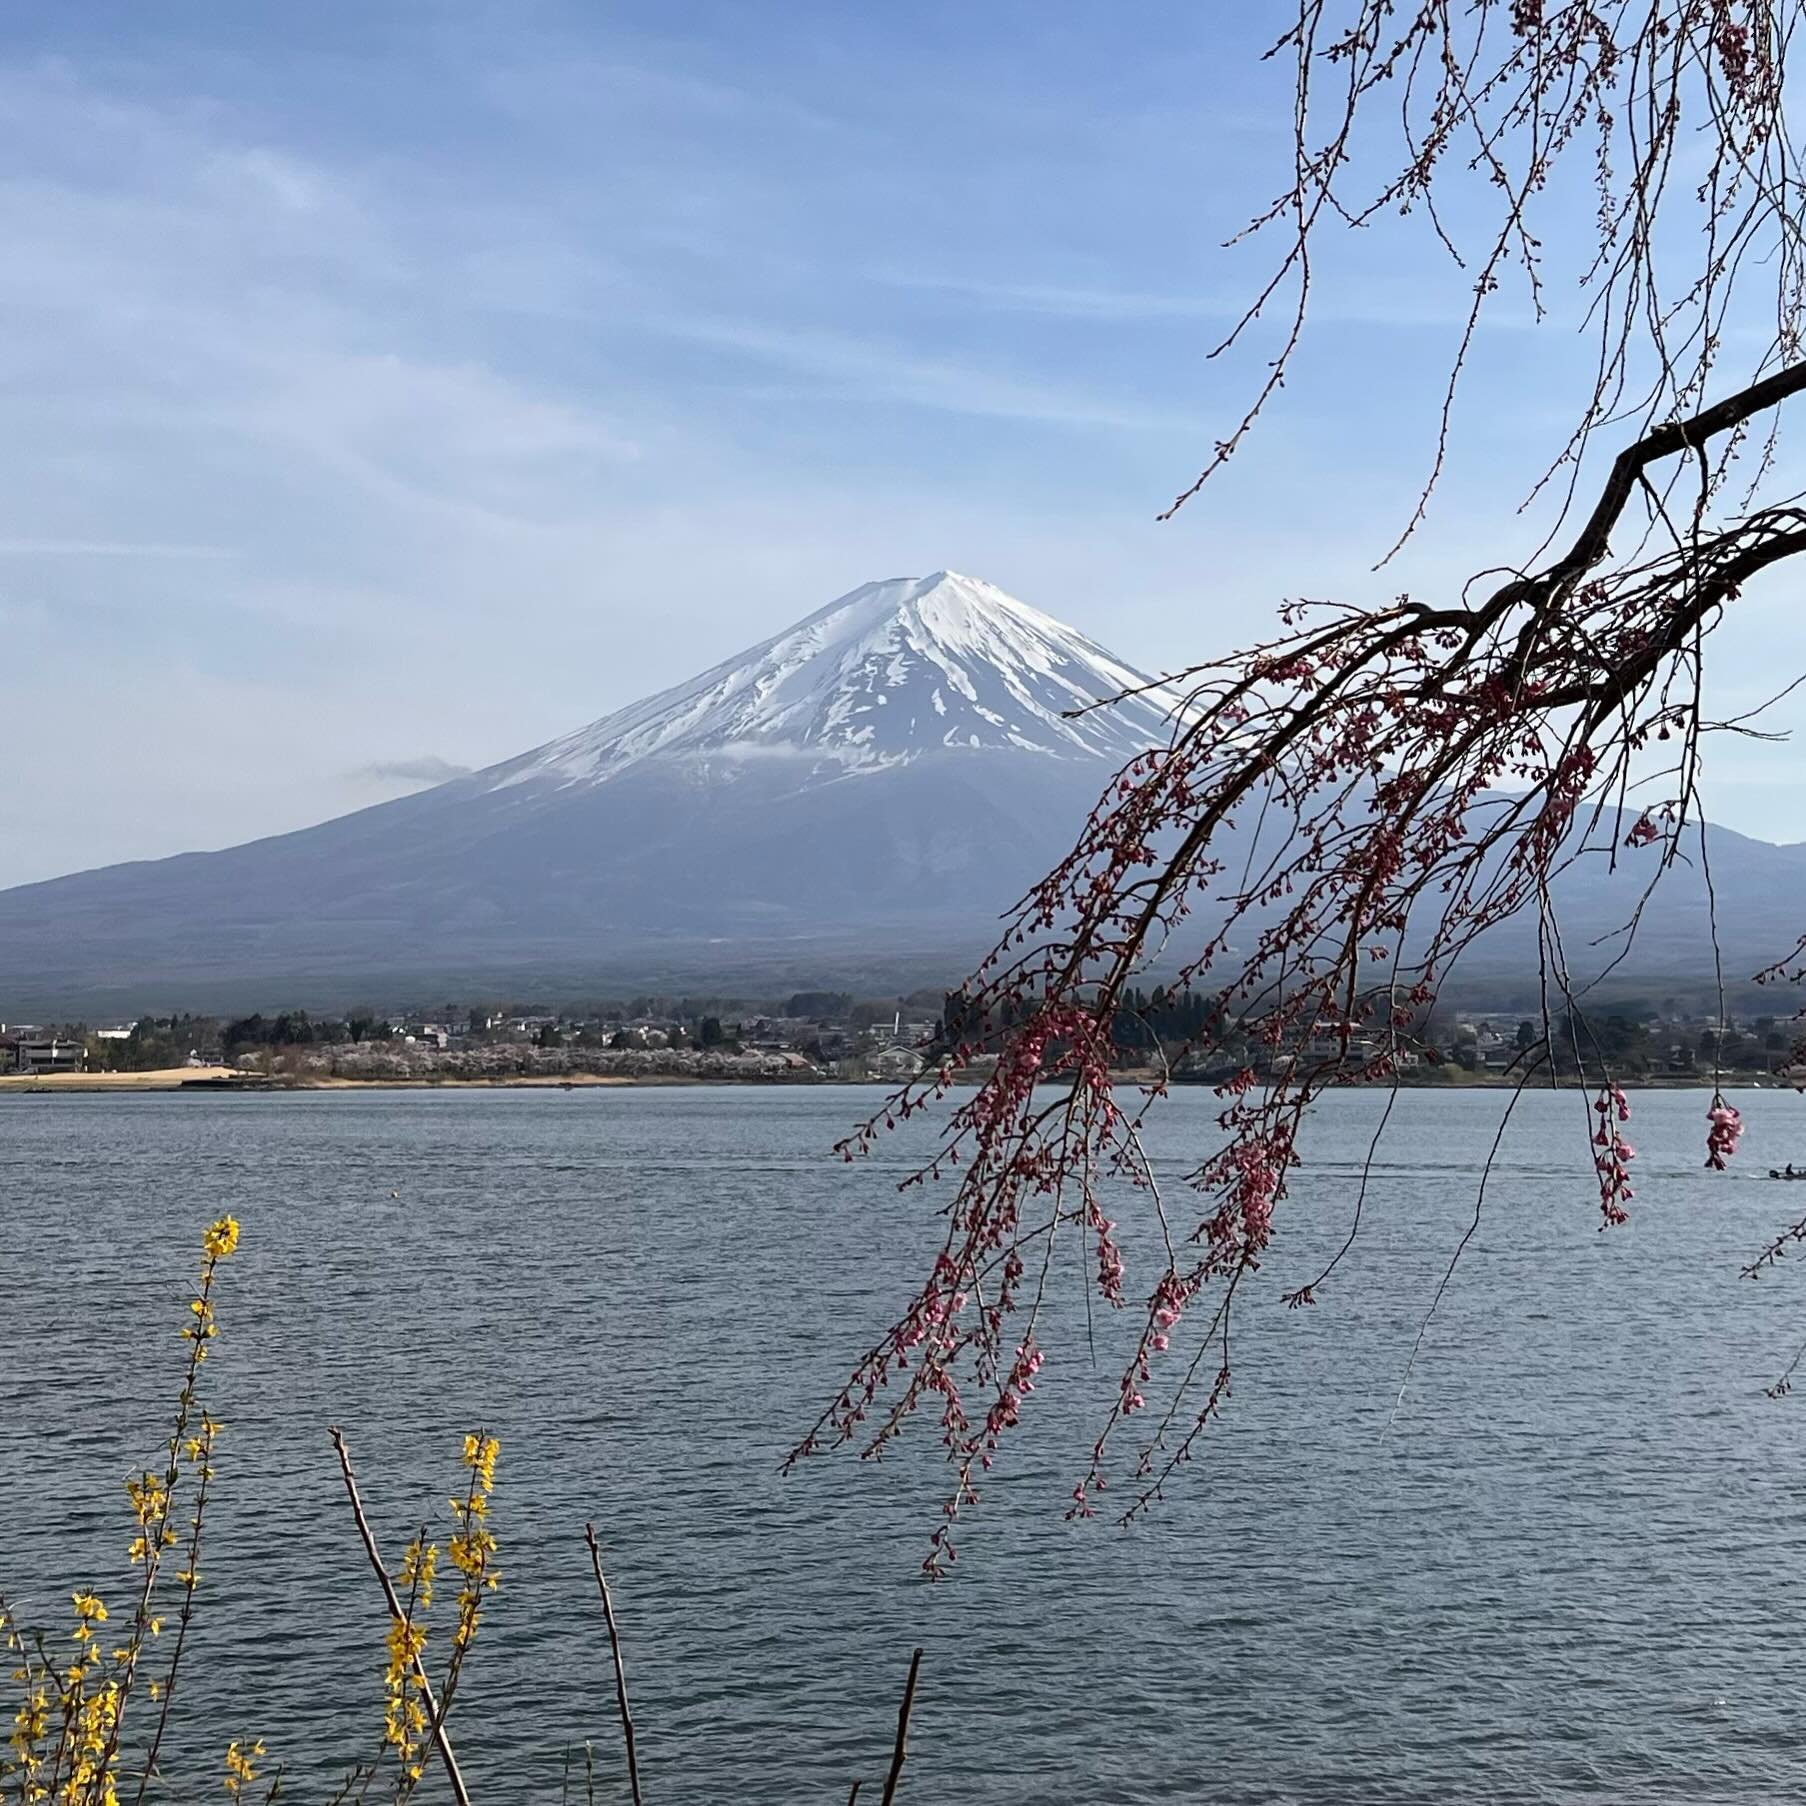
x: 480, y: 1452
x: 418, y: 1563
x: 241, y: 1758
x: 218, y: 1243
x: 67, y: 1732
x: 149, y: 1495
x: 28, y: 1763
x: 91, y: 1780
x: 404, y: 1712
x: 89, y: 1611
x: 471, y: 1547
x: 203, y: 1329
x: 221, y: 1238
x: 30, y: 1724
x: 407, y: 1715
x: 404, y: 1709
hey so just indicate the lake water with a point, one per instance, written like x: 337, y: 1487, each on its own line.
x: 1568, y: 1572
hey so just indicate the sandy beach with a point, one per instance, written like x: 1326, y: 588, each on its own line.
x: 167, y: 1078
x: 173, y: 1078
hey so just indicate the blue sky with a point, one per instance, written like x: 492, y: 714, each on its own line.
x: 390, y: 388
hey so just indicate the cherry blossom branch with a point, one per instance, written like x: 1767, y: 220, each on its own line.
x: 1432, y: 772
x: 1513, y: 93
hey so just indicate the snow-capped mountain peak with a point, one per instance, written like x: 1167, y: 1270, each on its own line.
x: 890, y: 672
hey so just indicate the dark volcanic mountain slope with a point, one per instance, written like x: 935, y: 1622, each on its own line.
x: 862, y: 794
x: 883, y: 778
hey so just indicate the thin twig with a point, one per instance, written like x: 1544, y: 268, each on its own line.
x: 185, y: 1617
x: 614, y: 1650
x: 440, y: 1740
x: 897, y: 1754
x: 1454, y: 1259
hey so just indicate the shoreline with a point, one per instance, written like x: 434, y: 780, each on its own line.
x: 219, y: 1080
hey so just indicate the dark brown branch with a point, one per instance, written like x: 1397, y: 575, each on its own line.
x: 441, y: 1741
x: 897, y: 1754
x: 614, y: 1650
x: 1591, y: 543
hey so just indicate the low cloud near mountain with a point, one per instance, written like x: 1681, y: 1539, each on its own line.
x: 429, y: 768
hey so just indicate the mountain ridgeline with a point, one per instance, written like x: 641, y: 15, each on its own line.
x: 859, y: 796
x: 854, y: 800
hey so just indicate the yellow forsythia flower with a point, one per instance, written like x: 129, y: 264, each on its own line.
x: 88, y: 1612
x: 479, y: 1456
x: 241, y: 1761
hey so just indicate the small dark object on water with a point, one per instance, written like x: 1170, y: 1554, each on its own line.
x: 1788, y: 1174
x: 239, y: 1081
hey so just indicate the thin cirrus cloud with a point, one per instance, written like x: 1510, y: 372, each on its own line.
x: 841, y: 366
x: 1366, y: 299
x: 104, y: 548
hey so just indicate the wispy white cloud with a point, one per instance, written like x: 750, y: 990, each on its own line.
x: 103, y: 548
x: 429, y: 768
x: 532, y: 85
x: 1075, y: 303
x: 251, y: 294
x: 842, y: 366
x: 1366, y: 299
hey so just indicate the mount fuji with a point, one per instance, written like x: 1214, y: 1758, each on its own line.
x: 865, y: 790
x: 888, y: 675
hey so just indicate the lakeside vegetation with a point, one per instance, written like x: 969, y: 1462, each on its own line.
x: 1158, y: 1035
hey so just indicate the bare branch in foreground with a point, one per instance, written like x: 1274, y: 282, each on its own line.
x: 441, y: 1741
x: 614, y: 1650
x: 897, y: 1754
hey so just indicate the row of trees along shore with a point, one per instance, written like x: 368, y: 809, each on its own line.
x: 1180, y: 1033
x: 160, y: 1041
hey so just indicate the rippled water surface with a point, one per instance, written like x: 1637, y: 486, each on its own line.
x: 1568, y: 1571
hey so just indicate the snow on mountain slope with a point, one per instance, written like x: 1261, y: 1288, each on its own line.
x: 888, y: 673
x: 876, y: 783
x: 859, y: 796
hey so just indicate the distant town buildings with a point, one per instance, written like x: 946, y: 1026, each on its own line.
x: 44, y: 1056
x: 1180, y: 1036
